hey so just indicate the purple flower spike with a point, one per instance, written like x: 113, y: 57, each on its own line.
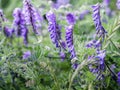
x: 53, y: 28
x: 118, y: 4
x: 55, y: 33
x: 26, y: 54
x: 19, y: 24
x: 32, y: 16
x: 8, y: 31
x: 96, y: 18
x: 69, y: 41
x: 70, y: 18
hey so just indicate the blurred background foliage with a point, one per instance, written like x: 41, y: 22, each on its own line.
x: 9, y: 5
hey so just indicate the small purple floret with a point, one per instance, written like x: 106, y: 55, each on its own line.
x: 8, y: 31
x: 26, y: 54
x: 70, y: 18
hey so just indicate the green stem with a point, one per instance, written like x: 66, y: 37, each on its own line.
x: 84, y: 63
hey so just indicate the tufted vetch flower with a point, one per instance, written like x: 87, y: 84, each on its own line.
x: 69, y: 34
x: 32, y: 16
x: 53, y: 28
x: 20, y: 25
x: 69, y: 41
x: 100, y: 31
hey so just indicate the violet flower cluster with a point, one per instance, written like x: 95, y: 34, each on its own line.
x: 100, y: 31
x: 20, y: 25
x: 55, y: 33
x: 69, y: 38
x: 29, y: 15
x: 53, y: 28
x: 32, y: 16
x: 98, y: 66
x: 69, y: 34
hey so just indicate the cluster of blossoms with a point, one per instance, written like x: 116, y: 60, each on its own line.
x: 54, y: 28
x: 100, y: 31
x: 69, y: 38
x: 69, y: 34
x: 24, y: 17
x: 19, y: 23
x: 98, y: 66
x: 32, y: 16
x: 55, y: 34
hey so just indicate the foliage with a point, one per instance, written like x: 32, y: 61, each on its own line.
x: 44, y: 69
